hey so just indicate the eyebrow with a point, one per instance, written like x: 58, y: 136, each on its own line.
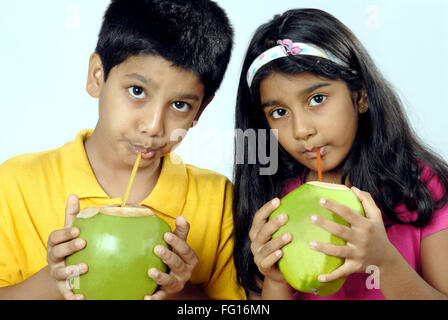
x: 271, y: 103
x: 141, y: 78
x: 149, y: 82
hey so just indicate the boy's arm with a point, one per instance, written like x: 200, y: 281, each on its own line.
x: 51, y: 281
x: 37, y: 287
x: 190, y: 292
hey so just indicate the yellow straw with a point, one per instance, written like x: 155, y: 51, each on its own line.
x: 131, y: 180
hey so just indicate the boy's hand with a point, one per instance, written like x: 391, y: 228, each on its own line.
x: 62, y: 243
x: 182, y: 260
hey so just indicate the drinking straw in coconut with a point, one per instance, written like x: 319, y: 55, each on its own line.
x: 131, y: 180
x: 319, y: 166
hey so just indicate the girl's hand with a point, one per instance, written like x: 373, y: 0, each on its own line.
x: 181, y: 260
x: 61, y: 244
x: 367, y: 241
x: 266, y: 251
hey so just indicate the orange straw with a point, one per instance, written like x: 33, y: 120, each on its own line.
x: 319, y: 166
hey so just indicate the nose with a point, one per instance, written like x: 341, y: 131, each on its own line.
x: 151, y: 122
x: 303, y: 126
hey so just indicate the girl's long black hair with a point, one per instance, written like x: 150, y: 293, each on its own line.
x: 386, y: 159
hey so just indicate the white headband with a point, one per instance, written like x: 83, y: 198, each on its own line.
x: 286, y: 48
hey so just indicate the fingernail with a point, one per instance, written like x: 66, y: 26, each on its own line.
x: 84, y: 266
x: 275, y: 202
x: 313, y: 244
x: 322, y: 278
x: 278, y: 253
x: 313, y: 218
x: 285, y: 237
x: 180, y: 219
x: 154, y: 273
x: 159, y: 250
x: 168, y: 236
x: 323, y: 201
x: 282, y: 217
x: 80, y: 243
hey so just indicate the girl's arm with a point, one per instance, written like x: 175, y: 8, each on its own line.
x: 275, y: 290
x: 398, y: 280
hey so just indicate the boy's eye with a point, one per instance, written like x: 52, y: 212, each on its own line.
x: 317, y: 100
x: 279, y: 113
x: 137, y: 92
x: 181, y: 106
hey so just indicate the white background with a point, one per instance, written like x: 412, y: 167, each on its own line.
x: 45, y: 47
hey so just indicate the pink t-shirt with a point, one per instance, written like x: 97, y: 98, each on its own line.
x: 406, y: 238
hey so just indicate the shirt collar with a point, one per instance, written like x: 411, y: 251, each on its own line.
x: 76, y: 169
x: 168, y: 196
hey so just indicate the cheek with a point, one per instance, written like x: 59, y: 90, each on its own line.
x: 341, y: 129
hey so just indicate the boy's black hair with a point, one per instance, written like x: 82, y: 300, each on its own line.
x: 193, y: 34
x: 386, y: 159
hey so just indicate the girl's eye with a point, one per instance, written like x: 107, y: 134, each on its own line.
x: 279, y: 113
x: 137, y: 92
x: 317, y: 100
x: 181, y: 106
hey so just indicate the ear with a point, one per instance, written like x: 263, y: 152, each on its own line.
x: 203, y: 106
x: 95, y: 77
x: 362, y: 102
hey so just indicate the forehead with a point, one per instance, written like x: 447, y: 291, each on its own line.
x: 156, y: 71
x: 280, y: 84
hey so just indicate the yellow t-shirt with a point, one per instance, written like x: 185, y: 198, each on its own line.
x: 33, y: 193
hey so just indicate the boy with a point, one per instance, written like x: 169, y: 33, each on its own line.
x: 156, y: 67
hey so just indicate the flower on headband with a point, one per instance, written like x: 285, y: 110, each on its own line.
x: 290, y: 47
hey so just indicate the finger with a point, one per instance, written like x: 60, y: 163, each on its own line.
x: 180, y: 247
x: 60, y: 251
x: 159, y: 295
x: 330, y: 249
x: 342, y: 211
x: 274, y: 245
x: 182, y: 228
x: 261, y: 215
x: 63, y: 235
x: 341, y: 272
x: 334, y: 228
x: 163, y: 279
x: 269, y: 228
x: 71, y: 210
x: 370, y: 208
x: 268, y: 262
x: 64, y: 273
x: 69, y: 295
x: 172, y: 260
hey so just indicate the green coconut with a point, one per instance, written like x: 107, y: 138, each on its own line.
x: 119, y: 252
x: 300, y: 264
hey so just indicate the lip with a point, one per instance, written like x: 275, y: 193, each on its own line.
x: 147, y: 152
x: 311, y: 153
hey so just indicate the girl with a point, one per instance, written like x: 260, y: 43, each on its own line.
x: 308, y: 78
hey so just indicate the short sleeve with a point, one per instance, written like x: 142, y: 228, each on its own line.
x: 439, y: 220
x: 10, y: 272
x: 224, y: 284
